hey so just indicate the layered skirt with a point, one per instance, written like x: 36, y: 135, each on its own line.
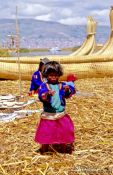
x: 58, y: 131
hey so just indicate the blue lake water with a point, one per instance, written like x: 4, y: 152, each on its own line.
x: 43, y: 53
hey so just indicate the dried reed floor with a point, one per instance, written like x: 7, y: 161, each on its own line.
x: 92, y: 114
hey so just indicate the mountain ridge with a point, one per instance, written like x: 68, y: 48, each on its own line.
x: 36, y: 31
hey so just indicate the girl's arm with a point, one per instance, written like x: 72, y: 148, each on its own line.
x: 44, y: 93
x: 37, y: 79
x: 69, y: 90
x: 47, y: 95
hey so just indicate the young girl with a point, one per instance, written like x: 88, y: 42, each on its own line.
x: 37, y: 78
x: 55, y: 127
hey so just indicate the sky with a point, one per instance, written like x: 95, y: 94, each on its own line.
x: 69, y: 12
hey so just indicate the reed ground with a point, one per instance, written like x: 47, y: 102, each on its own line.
x: 92, y: 114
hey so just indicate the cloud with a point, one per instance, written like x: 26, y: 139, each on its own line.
x: 32, y: 10
x: 101, y: 16
x: 43, y: 17
x: 74, y: 21
x: 65, y: 11
x: 103, y: 12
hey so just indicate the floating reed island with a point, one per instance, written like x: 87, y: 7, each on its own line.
x: 92, y: 114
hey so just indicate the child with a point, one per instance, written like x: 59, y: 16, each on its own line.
x: 56, y: 126
x: 37, y: 78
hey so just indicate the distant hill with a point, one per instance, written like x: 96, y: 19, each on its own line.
x: 35, y: 32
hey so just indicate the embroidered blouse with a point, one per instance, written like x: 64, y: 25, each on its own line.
x: 36, y: 81
x: 55, y: 103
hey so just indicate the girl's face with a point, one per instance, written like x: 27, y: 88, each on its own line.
x: 53, y: 78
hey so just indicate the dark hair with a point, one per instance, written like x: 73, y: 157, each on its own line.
x: 52, y: 67
x: 40, y: 66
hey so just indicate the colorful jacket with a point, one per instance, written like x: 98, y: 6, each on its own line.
x: 36, y: 81
x: 48, y: 103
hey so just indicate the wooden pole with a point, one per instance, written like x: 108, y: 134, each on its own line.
x: 18, y: 50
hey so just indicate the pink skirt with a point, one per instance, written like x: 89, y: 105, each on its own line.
x: 55, y: 131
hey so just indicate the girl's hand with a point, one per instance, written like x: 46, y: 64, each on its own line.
x: 47, y: 94
x: 66, y: 87
x: 44, y: 96
x: 51, y: 92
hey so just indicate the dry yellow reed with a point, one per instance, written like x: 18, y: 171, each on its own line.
x: 93, y: 154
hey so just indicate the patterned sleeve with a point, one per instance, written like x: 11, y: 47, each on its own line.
x: 71, y: 90
x: 32, y: 86
x: 43, y: 91
x: 37, y: 79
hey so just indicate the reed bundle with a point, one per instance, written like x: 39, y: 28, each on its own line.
x: 9, y: 71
